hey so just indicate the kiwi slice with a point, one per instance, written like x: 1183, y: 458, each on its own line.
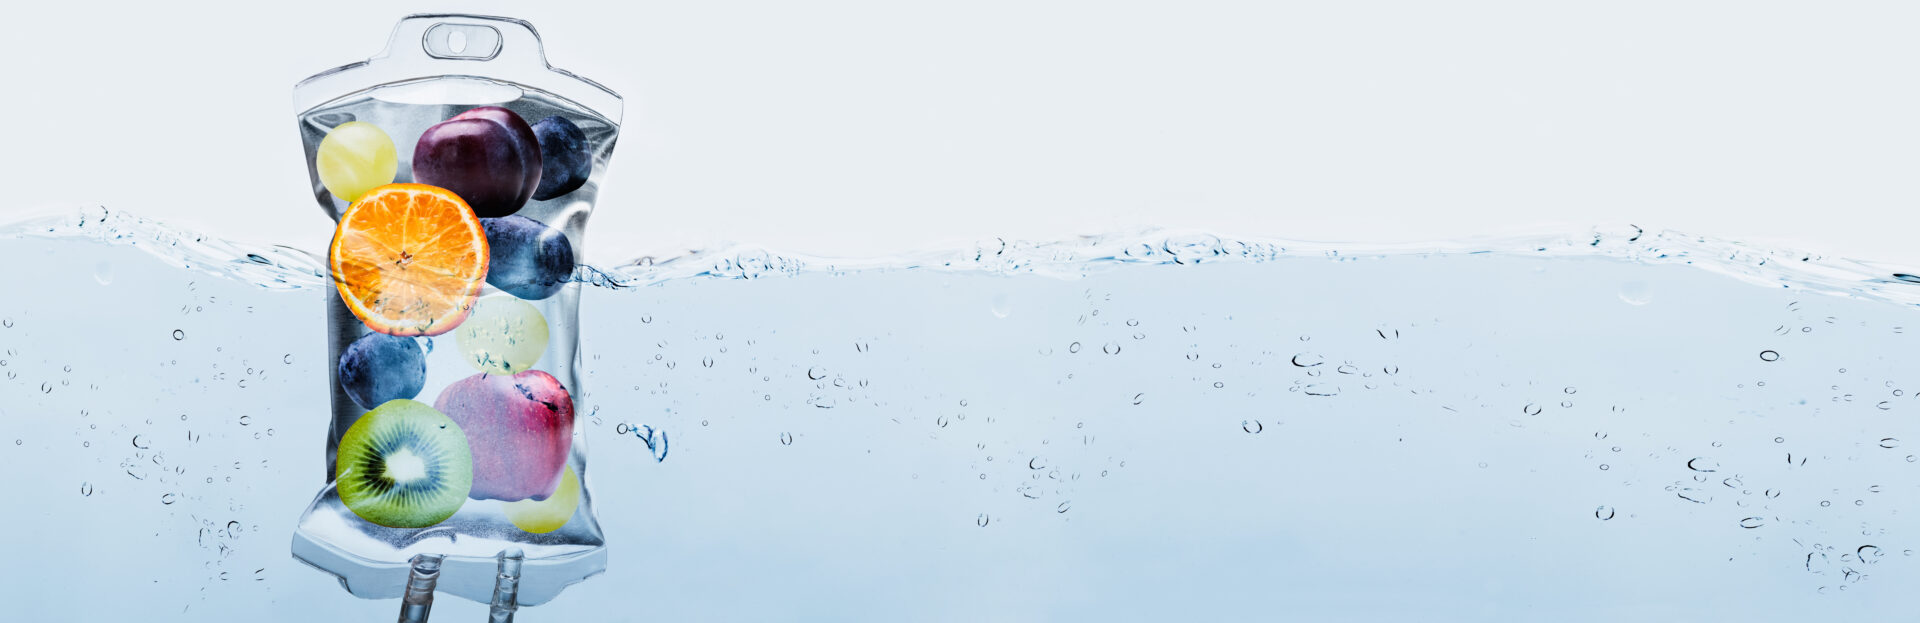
x: 404, y: 465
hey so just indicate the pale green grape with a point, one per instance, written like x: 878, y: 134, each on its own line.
x: 550, y: 514
x: 354, y: 158
x: 503, y: 335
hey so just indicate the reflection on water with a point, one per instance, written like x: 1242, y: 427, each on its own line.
x: 1087, y: 430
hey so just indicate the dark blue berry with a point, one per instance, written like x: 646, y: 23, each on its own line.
x: 565, y: 158
x: 378, y: 367
x: 526, y: 258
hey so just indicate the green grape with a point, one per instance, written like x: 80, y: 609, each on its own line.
x: 503, y: 335
x: 354, y: 158
x: 550, y: 514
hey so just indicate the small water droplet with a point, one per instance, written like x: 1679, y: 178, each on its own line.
x: 1635, y: 293
x: 1531, y: 409
x: 179, y: 335
x: 86, y: 489
x: 1252, y: 426
x: 786, y: 439
x: 1073, y: 348
x: 246, y: 420
x: 1752, y: 522
x: 166, y: 498
x: 1141, y: 397
x: 288, y: 359
x: 138, y: 443
x: 983, y: 519
x: 1702, y: 464
x: 1889, y: 443
x: 1603, y: 513
x: 1767, y: 355
x: 1307, y: 360
x: 1062, y: 508
x: 1001, y: 306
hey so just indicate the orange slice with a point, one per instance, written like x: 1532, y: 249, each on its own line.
x: 409, y: 259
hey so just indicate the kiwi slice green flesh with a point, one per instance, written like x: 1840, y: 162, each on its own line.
x: 404, y: 465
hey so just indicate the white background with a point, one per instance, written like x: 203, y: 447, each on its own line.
x: 862, y: 128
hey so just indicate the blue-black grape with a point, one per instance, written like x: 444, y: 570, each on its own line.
x: 526, y: 258
x: 565, y: 157
x: 378, y: 367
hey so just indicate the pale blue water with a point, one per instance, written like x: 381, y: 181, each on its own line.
x: 1613, y: 426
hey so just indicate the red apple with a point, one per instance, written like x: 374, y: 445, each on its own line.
x: 519, y: 428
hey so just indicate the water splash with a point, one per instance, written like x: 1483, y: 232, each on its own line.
x: 278, y: 267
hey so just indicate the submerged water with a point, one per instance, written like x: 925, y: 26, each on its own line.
x: 1151, y: 427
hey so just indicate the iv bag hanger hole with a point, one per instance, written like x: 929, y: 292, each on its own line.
x: 464, y: 42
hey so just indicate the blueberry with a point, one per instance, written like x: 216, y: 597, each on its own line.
x: 378, y: 367
x: 527, y: 258
x: 565, y: 161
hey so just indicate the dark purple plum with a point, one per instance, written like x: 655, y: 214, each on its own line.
x: 565, y: 158
x: 488, y: 155
x: 378, y: 367
x: 526, y: 258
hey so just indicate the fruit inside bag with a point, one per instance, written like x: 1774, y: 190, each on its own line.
x: 459, y: 169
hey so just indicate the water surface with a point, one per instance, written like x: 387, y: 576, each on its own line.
x: 1613, y: 425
